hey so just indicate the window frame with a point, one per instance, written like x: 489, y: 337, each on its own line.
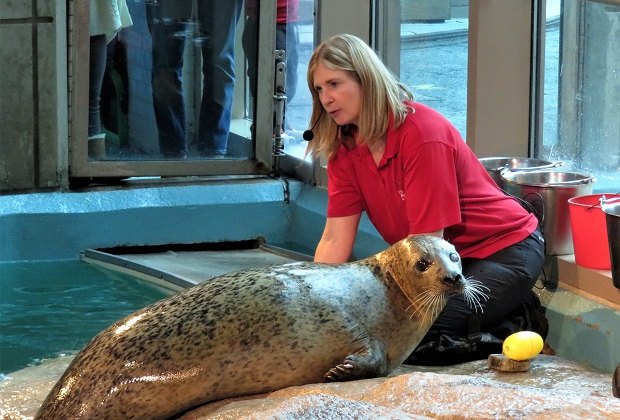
x: 81, y: 167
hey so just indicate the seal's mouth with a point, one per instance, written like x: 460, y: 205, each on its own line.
x: 432, y: 300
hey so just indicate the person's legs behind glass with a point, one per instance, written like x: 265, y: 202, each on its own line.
x: 218, y: 21
x: 168, y: 24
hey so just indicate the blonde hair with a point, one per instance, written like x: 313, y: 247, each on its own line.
x: 382, y: 93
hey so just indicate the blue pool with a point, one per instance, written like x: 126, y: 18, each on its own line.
x: 49, y: 308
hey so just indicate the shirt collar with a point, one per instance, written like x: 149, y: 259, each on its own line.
x: 392, y: 144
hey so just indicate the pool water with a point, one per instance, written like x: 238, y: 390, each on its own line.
x: 52, y: 308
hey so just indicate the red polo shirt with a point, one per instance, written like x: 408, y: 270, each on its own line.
x: 428, y: 179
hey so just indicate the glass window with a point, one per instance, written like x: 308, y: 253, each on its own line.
x: 581, y: 123
x: 169, y: 84
x: 433, y: 60
x: 297, y: 36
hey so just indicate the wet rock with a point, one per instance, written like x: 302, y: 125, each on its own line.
x: 552, y: 388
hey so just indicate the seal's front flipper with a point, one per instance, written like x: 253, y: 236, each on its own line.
x: 368, y: 362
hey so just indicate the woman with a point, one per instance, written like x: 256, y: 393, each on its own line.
x: 408, y: 168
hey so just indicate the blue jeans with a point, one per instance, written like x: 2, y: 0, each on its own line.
x: 170, y: 23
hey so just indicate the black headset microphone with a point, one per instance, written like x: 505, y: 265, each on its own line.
x: 308, y: 135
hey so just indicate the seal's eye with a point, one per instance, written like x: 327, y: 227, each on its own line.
x: 454, y: 257
x: 422, y: 265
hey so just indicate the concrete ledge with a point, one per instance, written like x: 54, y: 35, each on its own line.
x: 593, y: 284
x: 584, y: 315
x: 60, y: 225
x: 582, y: 329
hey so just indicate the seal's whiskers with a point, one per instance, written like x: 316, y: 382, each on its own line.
x: 473, y: 293
x: 431, y: 299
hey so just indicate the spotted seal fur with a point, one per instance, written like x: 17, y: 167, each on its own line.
x: 260, y: 330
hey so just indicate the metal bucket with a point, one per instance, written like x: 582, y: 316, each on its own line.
x: 612, y: 215
x: 547, y: 193
x: 495, y: 166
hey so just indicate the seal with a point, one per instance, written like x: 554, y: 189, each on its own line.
x: 256, y: 331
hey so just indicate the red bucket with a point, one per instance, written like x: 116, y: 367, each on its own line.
x: 589, y: 228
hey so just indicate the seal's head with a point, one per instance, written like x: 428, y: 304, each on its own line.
x: 417, y: 262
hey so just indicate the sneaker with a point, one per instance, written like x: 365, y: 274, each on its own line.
x: 96, y: 147
x: 215, y: 156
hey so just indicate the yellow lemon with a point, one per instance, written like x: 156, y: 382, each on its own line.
x: 522, y: 345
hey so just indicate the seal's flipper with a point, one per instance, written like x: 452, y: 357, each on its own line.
x: 368, y: 362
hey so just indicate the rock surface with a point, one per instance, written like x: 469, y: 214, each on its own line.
x: 553, y: 388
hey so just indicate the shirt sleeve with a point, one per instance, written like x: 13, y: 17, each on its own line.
x: 343, y: 195
x: 430, y: 186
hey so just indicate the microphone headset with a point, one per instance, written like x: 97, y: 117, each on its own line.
x: 308, y: 135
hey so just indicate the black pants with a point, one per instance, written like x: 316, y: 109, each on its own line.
x: 461, y: 333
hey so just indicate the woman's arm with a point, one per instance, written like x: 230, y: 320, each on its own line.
x: 337, y: 241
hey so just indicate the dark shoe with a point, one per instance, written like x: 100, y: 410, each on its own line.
x: 175, y: 156
x: 215, y: 156
x: 445, y: 351
x: 96, y: 147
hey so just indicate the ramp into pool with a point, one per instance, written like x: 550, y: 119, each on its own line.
x: 178, y: 267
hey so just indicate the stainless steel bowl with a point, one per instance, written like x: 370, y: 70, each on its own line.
x: 495, y: 166
x: 547, y: 194
x: 547, y: 178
